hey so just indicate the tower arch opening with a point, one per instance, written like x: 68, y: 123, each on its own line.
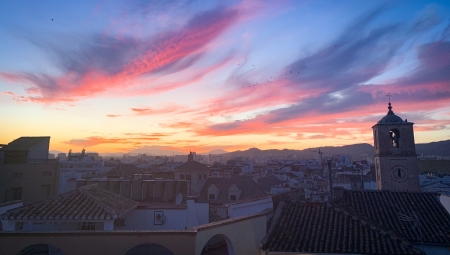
x: 395, y: 137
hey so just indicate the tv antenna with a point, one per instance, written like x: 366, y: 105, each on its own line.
x: 320, y: 154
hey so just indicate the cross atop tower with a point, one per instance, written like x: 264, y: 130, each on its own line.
x: 389, y: 105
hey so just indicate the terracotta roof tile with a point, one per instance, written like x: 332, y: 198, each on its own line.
x: 400, y: 211
x: 323, y: 228
x: 85, y: 203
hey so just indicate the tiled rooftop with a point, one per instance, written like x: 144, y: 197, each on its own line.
x: 85, y: 203
x: 191, y: 166
x: 250, y: 190
x: 401, y: 211
x: 322, y: 228
x: 25, y: 142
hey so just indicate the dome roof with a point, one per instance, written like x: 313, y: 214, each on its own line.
x: 390, y: 117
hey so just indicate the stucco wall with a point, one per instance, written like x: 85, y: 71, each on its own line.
x: 113, y: 243
x: 31, y: 181
x: 245, y: 234
x: 252, y: 207
x: 40, y: 150
x: 445, y: 201
x: 144, y: 220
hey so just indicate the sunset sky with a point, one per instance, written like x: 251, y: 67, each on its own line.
x: 117, y: 76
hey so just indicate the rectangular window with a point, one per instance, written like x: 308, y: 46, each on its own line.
x: 233, y: 197
x: 212, y: 196
x: 182, y: 176
x: 47, y: 173
x: 86, y: 225
x: 46, y: 190
x: 17, y: 175
x: 188, y: 177
x: 204, y: 176
x: 199, y: 177
x: 14, y: 194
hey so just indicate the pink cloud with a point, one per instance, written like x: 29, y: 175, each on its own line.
x: 94, y: 73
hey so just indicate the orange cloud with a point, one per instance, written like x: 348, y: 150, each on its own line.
x: 96, y: 140
x: 177, y: 125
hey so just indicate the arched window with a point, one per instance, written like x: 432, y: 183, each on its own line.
x: 395, y: 137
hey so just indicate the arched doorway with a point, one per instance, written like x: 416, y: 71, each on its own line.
x: 218, y: 244
x: 41, y: 249
x: 149, y: 249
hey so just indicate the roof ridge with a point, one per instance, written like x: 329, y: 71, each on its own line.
x: 369, y: 223
x: 31, y: 205
x: 85, y: 190
x: 275, y: 218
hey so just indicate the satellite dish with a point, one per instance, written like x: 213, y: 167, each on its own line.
x: 179, y: 199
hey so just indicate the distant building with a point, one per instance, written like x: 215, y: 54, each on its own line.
x: 395, y: 154
x: 233, y: 197
x: 26, y: 173
x: 80, y: 166
x: 26, y: 150
x: 196, y: 173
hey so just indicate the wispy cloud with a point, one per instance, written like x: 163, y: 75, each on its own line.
x: 329, y: 85
x: 16, y: 98
x: 102, y: 62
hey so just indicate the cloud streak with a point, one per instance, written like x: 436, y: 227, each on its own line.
x: 103, y: 62
x: 329, y: 85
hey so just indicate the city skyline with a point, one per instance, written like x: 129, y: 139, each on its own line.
x: 204, y: 75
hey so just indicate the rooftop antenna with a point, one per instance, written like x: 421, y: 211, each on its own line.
x: 320, y: 154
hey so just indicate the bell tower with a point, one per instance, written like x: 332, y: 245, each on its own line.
x: 395, y: 153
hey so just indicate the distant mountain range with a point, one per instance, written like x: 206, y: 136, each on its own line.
x: 441, y: 148
x: 355, y: 151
